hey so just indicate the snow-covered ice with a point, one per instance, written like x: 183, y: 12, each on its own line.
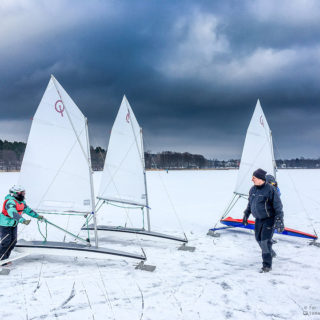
x: 220, y: 280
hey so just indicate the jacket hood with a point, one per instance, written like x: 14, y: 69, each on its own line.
x: 10, y: 197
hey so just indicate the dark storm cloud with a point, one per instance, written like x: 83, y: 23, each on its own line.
x: 192, y: 70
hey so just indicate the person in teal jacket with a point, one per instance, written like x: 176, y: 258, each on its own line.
x: 13, y: 208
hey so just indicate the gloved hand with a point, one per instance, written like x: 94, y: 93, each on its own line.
x: 245, y: 220
x: 26, y: 222
x: 40, y: 217
x: 278, y: 224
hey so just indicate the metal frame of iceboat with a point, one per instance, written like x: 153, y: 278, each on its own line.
x: 73, y: 249
x: 139, y: 231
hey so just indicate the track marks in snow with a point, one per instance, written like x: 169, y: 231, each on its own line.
x: 71, y: 296
x: 225, y: 286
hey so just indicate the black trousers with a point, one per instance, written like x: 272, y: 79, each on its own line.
x: 8, y: 238
x: 264, y: 232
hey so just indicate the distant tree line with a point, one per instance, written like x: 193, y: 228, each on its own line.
x: 11, y: 155
x: 175, y: 160
x: 97, y: 158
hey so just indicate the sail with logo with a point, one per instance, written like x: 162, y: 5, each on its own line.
x: 257, y: 153
x: 56, y: 173
x: 123, y: 174
x: 124, y: 180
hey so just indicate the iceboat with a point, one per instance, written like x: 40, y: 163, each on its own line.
x: 56, y: 173
x: 123, y: 179
x: 257, y: 153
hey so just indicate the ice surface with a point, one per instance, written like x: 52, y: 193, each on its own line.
x: 220, y: 280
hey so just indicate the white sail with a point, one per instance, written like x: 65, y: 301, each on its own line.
x: 257, y: 151
x: 123, y: 173
x: 55, y: 169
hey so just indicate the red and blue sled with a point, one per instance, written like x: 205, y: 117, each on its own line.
x: 237, y: 223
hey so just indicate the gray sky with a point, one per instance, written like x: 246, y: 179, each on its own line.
x: 191, y: 70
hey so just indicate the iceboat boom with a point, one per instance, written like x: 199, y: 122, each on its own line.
x: 73, y: 249
x: 135, y: 231
x: 123, y: 201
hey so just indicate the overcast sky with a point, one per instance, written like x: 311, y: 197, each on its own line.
x: 191, y: 70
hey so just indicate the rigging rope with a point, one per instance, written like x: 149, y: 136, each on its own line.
x: 46, y: 228
x: 298, y: 194
x: 169, y: 198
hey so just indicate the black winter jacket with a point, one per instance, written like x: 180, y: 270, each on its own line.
x: 264, y: 202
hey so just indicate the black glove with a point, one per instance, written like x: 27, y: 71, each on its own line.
x: 41, y: 218
x: 26, y: 222
x: 245, y: 220
x: 278, y: 224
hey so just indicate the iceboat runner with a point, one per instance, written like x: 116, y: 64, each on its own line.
x: 257, y: 153
x: 56, y: 173
x: 123, y: 179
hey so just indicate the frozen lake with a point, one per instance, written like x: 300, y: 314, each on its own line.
x: 220, y: 280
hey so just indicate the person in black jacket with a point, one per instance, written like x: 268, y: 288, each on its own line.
x: 265, y: 205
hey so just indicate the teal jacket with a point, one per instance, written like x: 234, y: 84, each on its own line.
x: 15, y: 217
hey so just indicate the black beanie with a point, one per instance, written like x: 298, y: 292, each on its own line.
x: 260, y: 174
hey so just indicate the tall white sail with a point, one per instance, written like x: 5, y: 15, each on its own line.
x: 257, y: 151
x: 55, y: 169
x: 123, y: 173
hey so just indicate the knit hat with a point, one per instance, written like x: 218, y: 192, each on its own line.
x: 260, y: 174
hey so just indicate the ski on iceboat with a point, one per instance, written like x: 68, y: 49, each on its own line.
x: 124, y: 176
x: 57, y: 175
x: 237, y: 223
x: 257, y: 153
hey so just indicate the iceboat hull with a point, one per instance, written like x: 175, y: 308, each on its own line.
x: 237, y: 223
x: 136, y: 231
x: 73, y: 249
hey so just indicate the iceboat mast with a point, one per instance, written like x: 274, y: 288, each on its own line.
x: 93, y: 207
x: 145, y: 181
x: 273, y: 159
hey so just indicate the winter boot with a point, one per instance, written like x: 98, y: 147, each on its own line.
x: 265, y: 269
